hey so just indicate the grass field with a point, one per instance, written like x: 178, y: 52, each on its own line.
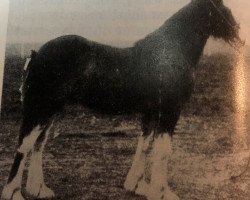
x: 93, y: 153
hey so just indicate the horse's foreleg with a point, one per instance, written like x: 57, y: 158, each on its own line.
x: 136, y: 172
x: 35, y: 185
x: 26, y: 142
x: 159, y: 189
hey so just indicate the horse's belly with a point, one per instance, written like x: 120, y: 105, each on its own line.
x: 108, y: 102
x: 106, y: 96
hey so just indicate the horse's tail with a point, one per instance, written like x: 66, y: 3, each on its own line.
x: 25, y: 73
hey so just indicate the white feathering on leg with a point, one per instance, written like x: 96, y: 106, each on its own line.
x: 35, y: 185
x: 137, y: 169
x: 161, y: 152
x: 35, y: 174
x: 29, y: 141
x: 13, y: 189
x: 142, y: 185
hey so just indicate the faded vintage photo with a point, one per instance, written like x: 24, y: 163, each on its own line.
x: 122, y: 99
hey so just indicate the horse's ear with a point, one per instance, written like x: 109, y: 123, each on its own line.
x: 33, y: 54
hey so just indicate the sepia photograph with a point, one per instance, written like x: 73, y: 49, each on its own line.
x: 125, y: 99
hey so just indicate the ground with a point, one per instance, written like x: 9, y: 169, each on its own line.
x: 91, y: 156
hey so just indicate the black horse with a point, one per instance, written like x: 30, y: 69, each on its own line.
x: 153, y: 78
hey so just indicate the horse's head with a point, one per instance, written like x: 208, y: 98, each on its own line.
x: 222, y: 23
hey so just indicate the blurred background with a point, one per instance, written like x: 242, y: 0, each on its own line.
x: 116, y: 22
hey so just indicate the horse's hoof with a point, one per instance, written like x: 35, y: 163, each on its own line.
x: 142, y: 188
x: 42, y: 193
x: 17, y: 195
x: 162, y: 194
x: 6, y: 193
x: 45, y: 192
x: 130, y: 185
x: 132, y: 181
x: 169, y: 195
x: 9, y: 193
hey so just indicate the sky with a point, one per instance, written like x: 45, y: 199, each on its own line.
x: 117, y: 22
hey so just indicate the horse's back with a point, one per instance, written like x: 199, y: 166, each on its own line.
x: 72, y: 69
x: 72, y: 51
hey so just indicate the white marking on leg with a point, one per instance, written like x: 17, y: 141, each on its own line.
x: 142, y: 187
x: 160, y: 155
x: 35, y: 182
x: 9, y: 190
x: 45, y: 192
x: 35, y: 174
x: 137, y: 169
x: 29, y: 141
x: 17, y: 195
x: 159, y: 189
x: 24, y: 149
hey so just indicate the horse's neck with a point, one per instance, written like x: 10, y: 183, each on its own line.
x: 188, y: 29
x: 184, y: 33
x: 190, y: 43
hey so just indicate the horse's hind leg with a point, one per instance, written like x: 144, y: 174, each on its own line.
x: 35, y: 185
x: 28, y: 136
